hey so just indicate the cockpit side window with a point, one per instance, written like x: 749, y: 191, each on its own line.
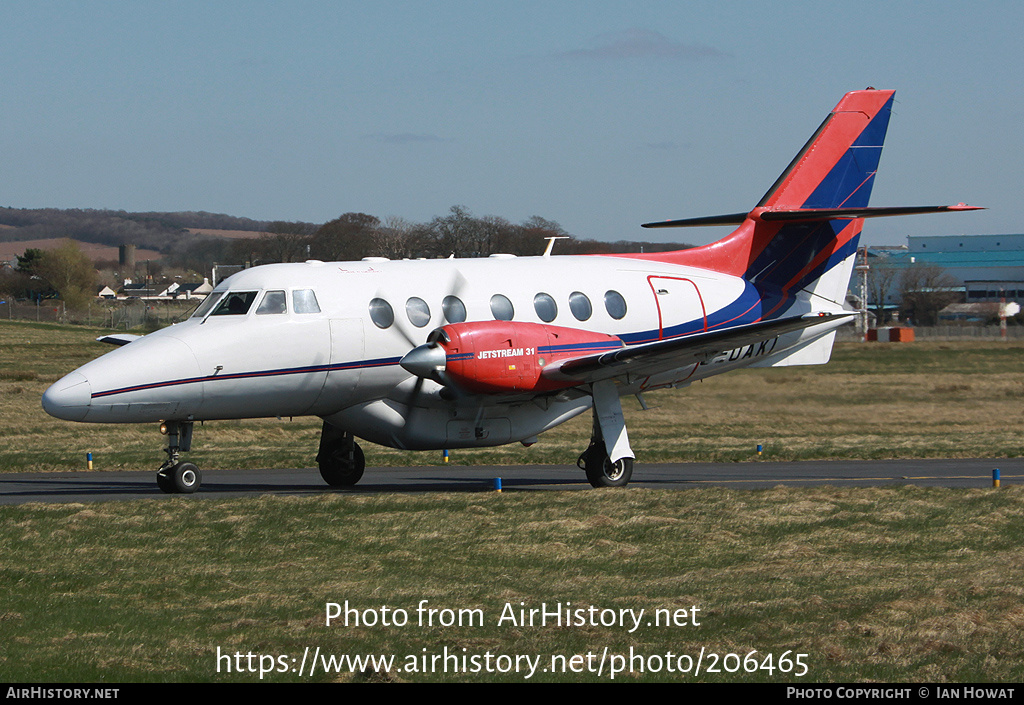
x: 273, y: 302
x: 235, y: 303
x: 208, y: 303
x: 304, y: 301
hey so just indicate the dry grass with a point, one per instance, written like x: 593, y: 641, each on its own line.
x: 872, y: 401
x: 886, y: 584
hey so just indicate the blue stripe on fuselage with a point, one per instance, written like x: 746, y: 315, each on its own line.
x: 309, y: 369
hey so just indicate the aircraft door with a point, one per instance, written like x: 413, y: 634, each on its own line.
x: 347, y: 357
x: 680, y: 306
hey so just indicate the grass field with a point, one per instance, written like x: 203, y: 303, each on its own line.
x: 889, y: 584
x: 872, y: 401
x: 894, y: 584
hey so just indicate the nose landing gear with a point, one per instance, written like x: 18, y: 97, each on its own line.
x: 175, y: 477
x: 340, y: 458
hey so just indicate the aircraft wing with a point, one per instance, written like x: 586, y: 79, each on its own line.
x: 663, y: 355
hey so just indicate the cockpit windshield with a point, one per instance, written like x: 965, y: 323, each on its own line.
x: 236, y: 303
x: 239, y: 303
x: 208, y: 303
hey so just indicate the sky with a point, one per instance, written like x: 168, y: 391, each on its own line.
x: 599, y: 115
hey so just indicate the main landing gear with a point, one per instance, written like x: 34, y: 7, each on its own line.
x: 340, y: 458
x: 601, y: 471
x: 175, y: 477
x: 608, y: 461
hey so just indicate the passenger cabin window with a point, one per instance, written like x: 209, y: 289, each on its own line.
x: 381, y: 313
x: 615, y: 304
x: 580, y: 306
x: 273, y: 302
x: 304, y: 301
x: 417, y: 311
x: 235, y: 303
x: 454, y: 310
x: 501, y: 308
x: 545, y: 307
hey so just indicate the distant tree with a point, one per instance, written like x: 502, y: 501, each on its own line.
x: 286, y: 242
x: 70, y: 272
x: 453, y: 234
x: 16, y: 284
x: 29, y: 262
x: 462, y: 234
x: 925, y: 289
x: 533, y: 233
x: 882, y: 279
x: 160, y: 231
x: 347, y: 237
x: 199, y: 253
x: 397, y: 238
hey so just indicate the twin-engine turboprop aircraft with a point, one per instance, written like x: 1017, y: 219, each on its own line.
x: 482, y: 352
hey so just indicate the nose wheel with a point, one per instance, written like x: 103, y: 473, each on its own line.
x: 175, y: 476
x: 340, y: 459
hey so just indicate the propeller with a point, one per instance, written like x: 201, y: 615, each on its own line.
x: 427, y: 360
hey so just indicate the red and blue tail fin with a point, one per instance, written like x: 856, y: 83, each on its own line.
x: 803, y: 233
x: 801, y: 238
x: 837, y: 167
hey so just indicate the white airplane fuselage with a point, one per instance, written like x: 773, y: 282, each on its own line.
x: 430, y: 354
x: 339, y: 365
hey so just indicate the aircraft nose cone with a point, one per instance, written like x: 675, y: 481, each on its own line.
x: 68, y: 398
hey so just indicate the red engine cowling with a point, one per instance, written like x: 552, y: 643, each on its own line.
x: 508, y: 356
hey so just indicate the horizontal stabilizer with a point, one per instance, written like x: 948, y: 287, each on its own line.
x: 730, y: 219
x: 809, y: 215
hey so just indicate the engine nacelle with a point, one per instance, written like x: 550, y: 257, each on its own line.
x: 498, y: 357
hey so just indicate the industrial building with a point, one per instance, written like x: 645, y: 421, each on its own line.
x: 972, y: 269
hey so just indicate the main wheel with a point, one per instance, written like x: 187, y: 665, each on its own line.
x: 337, y: 468
x: 182, y: 478
x: 602, y: 472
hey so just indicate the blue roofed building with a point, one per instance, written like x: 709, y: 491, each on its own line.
x: 987, y: 266
x: 969, y: 269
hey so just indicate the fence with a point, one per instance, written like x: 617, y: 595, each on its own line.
x: 850, y: 334
x: 119, y: 315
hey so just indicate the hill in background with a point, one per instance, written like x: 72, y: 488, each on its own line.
x: 194, y: 240
x: 160, y: 232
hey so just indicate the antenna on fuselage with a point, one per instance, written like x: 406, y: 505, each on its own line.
x: 551, y: 243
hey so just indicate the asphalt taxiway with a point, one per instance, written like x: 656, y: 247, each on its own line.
x: 19, y: 488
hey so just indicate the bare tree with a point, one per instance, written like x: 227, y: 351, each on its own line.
x: 882, y: 278
x: 453, y: 234
x: 397, y: 238
x: 287, y: 241
x: 925, y: 289
x: 348, y: 237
